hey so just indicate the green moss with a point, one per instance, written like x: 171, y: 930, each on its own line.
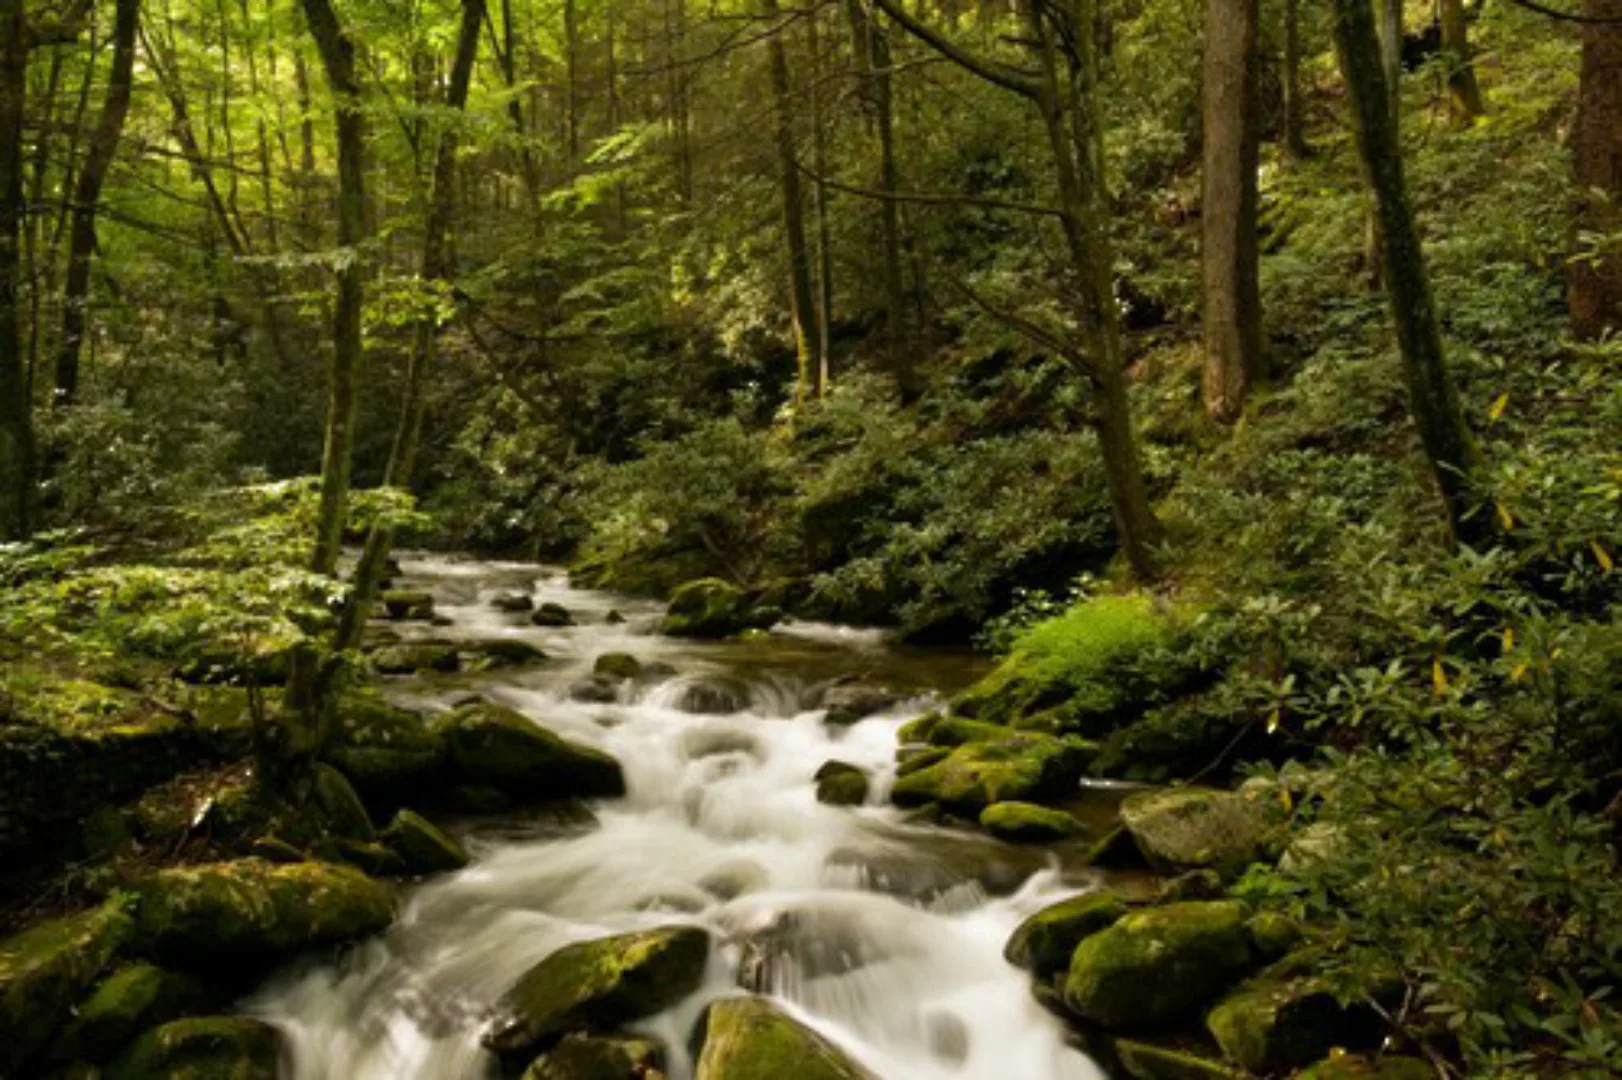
x: 617, y: 665
x: 841, y: 784
x: 712, y: 608
x: 1020, y: 767
x: 204, y: 1048
x: 1026, y: 823
x: 1044, y: 942
x: 386, y: 751
x: 749, y: 1038
x: 1155, y: 967
x: 492, y: 745
x: 45, y: 970
x: 919, y: 730
x: 911, y: 759
x: 598, y: 985
x: 341, y: 809
x: 1360, y: 1067
x: 1193, y: 828
x: 412, y: 657
x: 133, y: 997
x: 956, y: 731
x: 1286, y: 1018
x: 1272, y: 934
x: 1146, y: 1061
x: 423, y: 847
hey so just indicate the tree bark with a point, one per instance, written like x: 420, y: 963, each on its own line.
x: 16, y: 425
x: 87, y: 198
x: 1596, y: 272
x: 802, y: 311
x: 1232, y: 321
x: 1295, y: 138
x: 819, y: 166
x: 1461, y: 69
x: 571, y: 64
x: 1432, y: 396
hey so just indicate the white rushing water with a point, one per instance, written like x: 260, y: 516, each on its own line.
x: 882, y: 936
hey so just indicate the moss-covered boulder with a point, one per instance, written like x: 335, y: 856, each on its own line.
x: 408, y: 604
x: 1194, y: 828
x: 387, y: 752
x: 494, y: 654
x: 749, y: 1038
x: 44, y: 971
x: 1152, y: 968
x: 592, y: 1058
x: 1287, y: 1017
x: 956, y: 731
x: 1087, y: 670
x: 134, y: 997
x: 1365, y: 1067
x: 408, y: 658
x: 918, y: 730
x: 617, y: 665
x: 1044, y: 942
x: 217, y: 914
x: 422, y: 846
x: 841, y: 784
x: 909, y: 759
x: 1019, y: 767
x: 597, y: 986
x: 1026, y: 823
x: 849, y: 702
x: 712, y: 608
x: 1147, y: 1061
x: 342, y: 811
x: 492, y: 745
x: 1273, y: 934
x: 203, y: 1048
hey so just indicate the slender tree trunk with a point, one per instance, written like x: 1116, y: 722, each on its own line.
x: 34, y: 223
x: 802, y: 304
x: 1388, y: 30
x: 1295, y: 138
x: 1432, y: 396
x: 16, y: 424
x: 675, y: 12
x: 1461, y: 69
x: 515, y: 115
x: 819, y: 165
x: 1596, y: 272
x: 571, y: 92
x: 1233, y: 309
x: 87, y: 198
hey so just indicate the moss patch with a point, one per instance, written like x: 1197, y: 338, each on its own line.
x: 44, y: 972
x: 749, y: 1038
x: 1044, y: 942
x: 205, y: 1048
x: 1020, y: 767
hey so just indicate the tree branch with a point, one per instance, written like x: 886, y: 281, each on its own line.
x: 993, y: 72
x: 931, y: 198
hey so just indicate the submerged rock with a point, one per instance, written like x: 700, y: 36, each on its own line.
x: 215, y: 914
x: 203, y: 1048
x: 43, y: 973
x: 589, y: 1058
x: 783, y: 949
x: 1026, y: 823
x: 1044, y: 942
x: 550, y: 614
x: 617, y: 665
x: 849, y: 702
x: 595, y: 690
x: 422, y: 846
x: 711, y: 696
x: 1020, y: 767
x: 712, y: 608
x: 492, y: 745
x: 596, y: 986
x: 1154, y: 967
x: 841, y: 784
x: 408, y: 604
x: 513, y: 602
x: 1193, y: 829
x: 749, y: 1038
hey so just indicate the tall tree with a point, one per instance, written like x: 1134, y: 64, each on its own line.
x: 1432, y: 397
x: 1232, y: 320
x: 1295, y: 137
x: 1465, y: 91
x: 802, y: 302
x: 16, y: 426
x: 87, y: 198
x: 1596, y: 272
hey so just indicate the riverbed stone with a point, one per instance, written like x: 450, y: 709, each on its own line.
x: 513, y: 602
x: 1287, y: 1017
x: 617, y: 665
x: 203, y: 1048
x: 840, y: 783
x: 849, y: 702
x: 423, y: 846
x: 1026, y: 823
x: 1155, y: 967
x: 712, y: 608
x: 750, y: 1038
x: 493, y: 654
x: 1044, y: 942
x: 216, y: 914
x: 595, y: 690
x: 492, y: 745
x: 45, y: 970
x: 598, y: 985
x: 552, y: 614
x: 1020, y: 767
x: 402, y: 604
x: 134, y: 997
x: 580, y: 1057
x: 1194, y: 828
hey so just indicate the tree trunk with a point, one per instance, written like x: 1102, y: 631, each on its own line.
x: 1295, y: 139
x: 87, y: 198
x: 819, y: 166
x: 571, y: 63
x: 1461, y: 69
x: 1233, y: 316
x: 1596, y: 272
x: 16, y: 425
x: 1432, y: 397
x: 802, y: 304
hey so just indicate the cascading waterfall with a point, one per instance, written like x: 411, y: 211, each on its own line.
x: 885, y: 937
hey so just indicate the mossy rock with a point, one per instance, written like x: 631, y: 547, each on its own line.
x: 1194, y: 828
x: 497, y: 653
x: 1362, y: 1067
x: 617, y: 665
x: 45, y: 971
x: 134, y: 997
x: 1044, y: 942
x: 597, y: 986
x: 1020, y: 767
x: 1026, y: 823
x: 909, y: 759
x: 203, y: 1048
x: 412, y: 657
x: 712, y: 608
x: 580, y: 1057
x: 408, y: 604
x: 848, y: 703
x: 841, y: 784
x: 1273, y: 934
x: 1146, y: 1061
x: 1156, y: 967
x: 750, y: 1038
x: 492, y: 745
x: 216, y: 914
x: 423, y: 847
x: 919, y: 729
x: 1287, y: 1018
x: 956, y: 731
x: 342, y: 811
x: 513, y: 602
x: 387, y: 752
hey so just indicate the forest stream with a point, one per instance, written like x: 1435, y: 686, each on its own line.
x: 886, y: 937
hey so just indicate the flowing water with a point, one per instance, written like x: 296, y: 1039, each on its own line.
x: 885, y: 937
